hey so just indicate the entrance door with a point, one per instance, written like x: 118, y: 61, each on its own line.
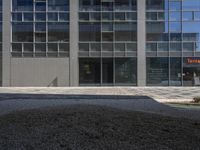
x: 107, y: 71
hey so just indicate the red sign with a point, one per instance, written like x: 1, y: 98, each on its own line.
x: 193, y: 61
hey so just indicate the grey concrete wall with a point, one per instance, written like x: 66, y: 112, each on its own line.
x: 39, y: 72
x: 141, y: 43
x: 6, y: 43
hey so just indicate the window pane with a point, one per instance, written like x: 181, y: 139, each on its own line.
x: 90, y: 71
x: 126, y: 71
x: 158, y: 71
x: 22, y: 32
x: 22, y: 5
x: 58, y: 5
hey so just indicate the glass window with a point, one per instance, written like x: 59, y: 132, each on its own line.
x: 126, y: 31
x: 40, y: 27
x: 155, y: 4
x: 197, y: 47
x: 95, y: 47
x: 90, y: 71
x: 17, y: 17
x: 107, y: 16
x: 120, y: 47
x: 28, y: 16
x: 40, y: 37
x: 40, y: 6
x: 151, y: 16
x: 131, y: 16
x: 191, y: 37
x: 191, y: 27
x: 157, y: 27
x: 22, y: 32
x: 188, y: 47
x: 175, y: 16
x: 175, y: 5
x: 131, y: 47
x: 64, y: 47
x: 58, y: 5
x: 88, y: 5
x: 152, y: 47
x: 28, y: 47
x: 158, y: 71
x: 187, y: 16
x: 175, y: 71
x: 40, y: 47
x: 89, y: 31
x: 107, y: 5
x: 191, y: 5
x: 158, y: 37
x: 107, y: 26
x: 107, y: 70
x: 84, y: 16
x: 107, y: 47
x: 53, y: 16
x: 64, y: 17
x: 95, y: 16
x: 52, y: 47
x: 125, y: 5
x: 40, y: 17
x: 17, y: 47
x: 197, y: 15
x: 107, y: 36
x: 126, y: 71
x: 58, y: 32
x: 163, y: 46
x: 175, y: 46
x: 119, y: 16
x: 22, y: 5
x: 84, y: 47
x: 175, y: 26
x: 175, y: 36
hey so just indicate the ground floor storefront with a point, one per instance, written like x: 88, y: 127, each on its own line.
x: 160, y: 71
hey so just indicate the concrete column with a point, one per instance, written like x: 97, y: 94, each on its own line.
x: 141, y: 71
x: 6, y: 56
x: 74, y: 38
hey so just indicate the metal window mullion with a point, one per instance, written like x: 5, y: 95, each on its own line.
x: 58, y: 47
x: 182, y: 44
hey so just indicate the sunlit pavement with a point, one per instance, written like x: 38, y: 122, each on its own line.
x: 161, y: 94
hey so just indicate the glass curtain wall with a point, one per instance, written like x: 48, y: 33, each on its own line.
x: 108, y: 28
x: 40, y: 28
x: 172, y: 29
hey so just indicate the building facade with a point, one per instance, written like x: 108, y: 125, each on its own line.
x: 100, y: 43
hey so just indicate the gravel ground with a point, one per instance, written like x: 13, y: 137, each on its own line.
x: 87, y: 127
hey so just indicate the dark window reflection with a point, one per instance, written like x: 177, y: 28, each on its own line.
x: 158, y: 71
x: 90, y: 71
x: 126, y: 71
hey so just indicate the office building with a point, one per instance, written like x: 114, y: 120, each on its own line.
x: 100, y: 43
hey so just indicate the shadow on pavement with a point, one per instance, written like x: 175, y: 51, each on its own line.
x: 16, y: 102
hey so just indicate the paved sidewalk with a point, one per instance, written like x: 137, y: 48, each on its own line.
x: 161, y: 94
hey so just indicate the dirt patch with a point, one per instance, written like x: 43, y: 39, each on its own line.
x: 95, y: 128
